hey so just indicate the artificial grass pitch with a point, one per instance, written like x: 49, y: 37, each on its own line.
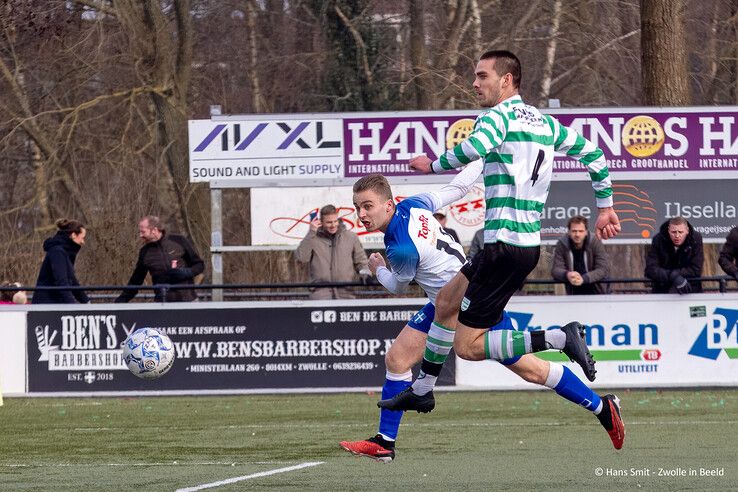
x: 472, y: 441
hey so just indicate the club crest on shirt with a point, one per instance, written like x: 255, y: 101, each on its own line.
x: 465, y: 304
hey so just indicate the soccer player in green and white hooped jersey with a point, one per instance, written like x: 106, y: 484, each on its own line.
x: 517, y: 144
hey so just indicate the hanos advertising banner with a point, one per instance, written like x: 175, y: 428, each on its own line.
x: 634, y: 140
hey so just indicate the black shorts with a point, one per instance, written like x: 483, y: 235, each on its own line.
x: 494, y: 274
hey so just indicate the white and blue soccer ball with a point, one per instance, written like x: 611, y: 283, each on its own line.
x: 148, y: 353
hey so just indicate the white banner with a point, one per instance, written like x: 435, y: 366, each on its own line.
x: 282, y: 215
x: 12, y: 350
x: 659, y: 340
x: 637, y: 341
x: 266, y: 149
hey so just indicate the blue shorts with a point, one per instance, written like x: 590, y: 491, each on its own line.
x: 423, y: 319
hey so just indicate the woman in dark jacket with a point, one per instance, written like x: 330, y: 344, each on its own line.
x: 58, y: 266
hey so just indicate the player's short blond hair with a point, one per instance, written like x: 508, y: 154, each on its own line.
x: 376, y: 183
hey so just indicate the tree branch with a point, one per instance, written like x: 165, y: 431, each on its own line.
x: 128, y: 93
x: 596, y: 52
x: 184, y: 43
x: 359, y: 43
x: 100, y: 6
x: 550, y: 55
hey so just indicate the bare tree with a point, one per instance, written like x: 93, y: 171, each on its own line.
x: 96, y: 94
x: 550, y: 55
x: 161, y: 37
x: 664, y: 54
x: 419, y: 65
x: 454, y: 37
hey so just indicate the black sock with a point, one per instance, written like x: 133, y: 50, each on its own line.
x: 605, y: 415
x: 384, y: 442
x: 538, y: 341
x: 431, y: 368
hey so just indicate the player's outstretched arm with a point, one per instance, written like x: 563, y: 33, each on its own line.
x: 421, y: 163
x: 568, y: 141
x: 489, y: 132
x: 608, y: 224
x: 460, y: 185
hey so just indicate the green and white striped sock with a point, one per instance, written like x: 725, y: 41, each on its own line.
x: 505, y: 344
x: 437, y: 347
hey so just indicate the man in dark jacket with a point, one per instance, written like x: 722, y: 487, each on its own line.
x: 58, y: 266
x: 729, y: 254
x: 169, y: 258
x: 676, y: 254
x: 580, y: 260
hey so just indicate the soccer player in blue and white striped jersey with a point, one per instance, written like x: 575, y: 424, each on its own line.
x: 517, y: 144
x: 419, y: 249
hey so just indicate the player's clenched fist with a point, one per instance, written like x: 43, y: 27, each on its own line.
x: 375, y: 261
x: 421, y: 163
x: 608, y: 224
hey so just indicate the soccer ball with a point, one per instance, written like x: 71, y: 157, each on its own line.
x: 148, y: 353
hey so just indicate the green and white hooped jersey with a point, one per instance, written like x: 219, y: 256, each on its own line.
x: 517, y: 144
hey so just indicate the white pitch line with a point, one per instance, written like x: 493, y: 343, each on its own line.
x: 432, y: 425
x: 174, y: 463
x: 248, y: 477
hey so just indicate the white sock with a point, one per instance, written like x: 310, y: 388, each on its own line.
x: 555, y: 339
x: 555, y: 373
x: 405, y: 376
x: 599, y: 407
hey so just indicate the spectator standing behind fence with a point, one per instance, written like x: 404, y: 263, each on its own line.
x: 441, y: 217
x: 169, y: 258
x: 580, y: 260
x: 12, y: 296
x: 729, y: 254
x: 57, y: 269
x: 676, y: 254
x: 333, y: 253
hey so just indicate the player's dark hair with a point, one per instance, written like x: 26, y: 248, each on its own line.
x: 675, y: 221
x: 328, y: 210
x: 69, y: 227
x: 375, y: 182
x: 505, y: 62
x: 578, y: 219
